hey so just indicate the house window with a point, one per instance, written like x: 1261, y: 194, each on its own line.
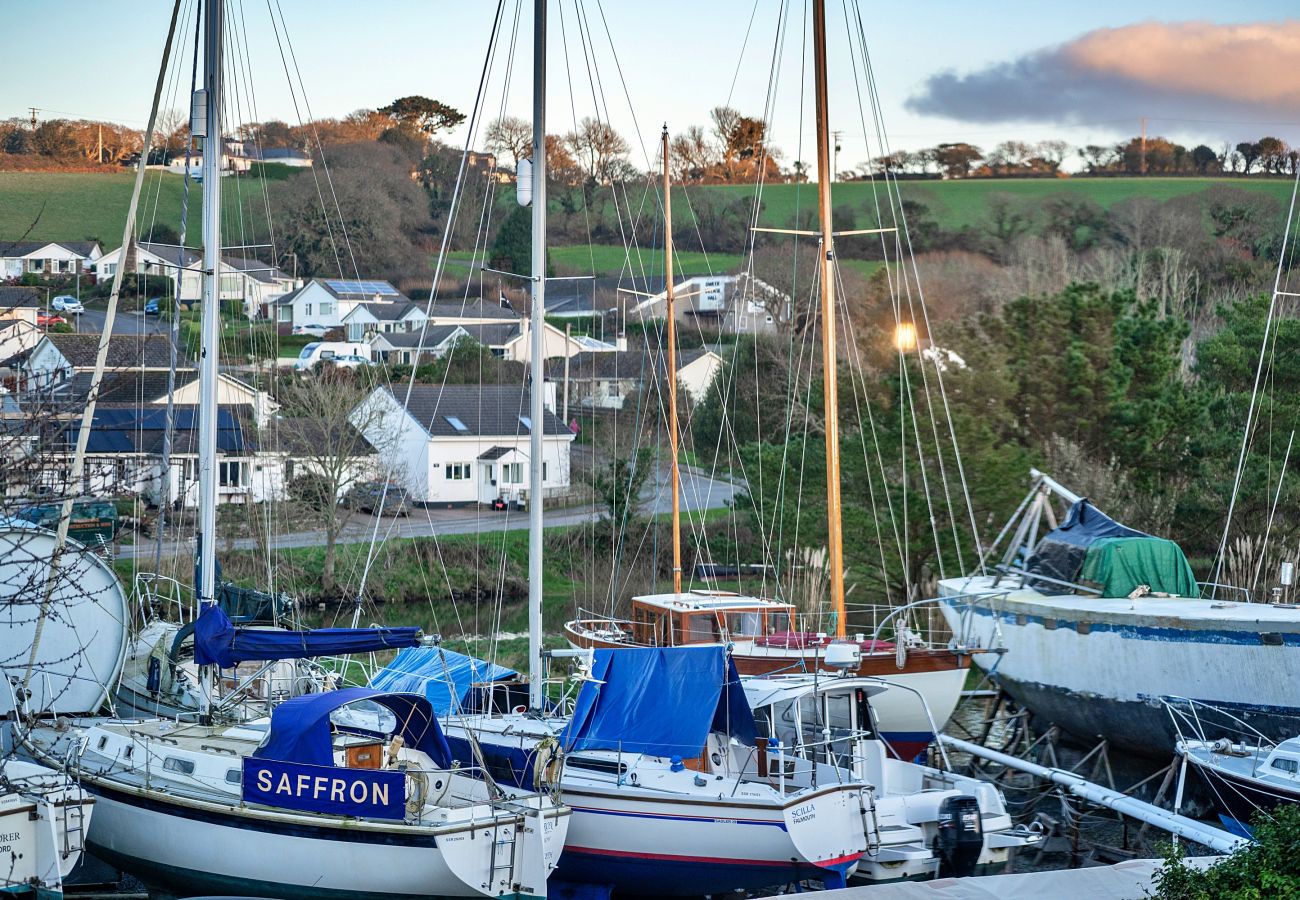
x: 355, y: 332
x: 38, y: 265
x: 545, y: 477
x: 306, y: 308
x: 326, y: 309
x: 233, y: 474
x: 512, y: 473
x: 458, y: 471
x: 284, y: 314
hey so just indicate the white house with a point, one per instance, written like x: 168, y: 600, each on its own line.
x: 19, y: 258
x: 463, y: 444
x: 17, y: 338
x: 256, y: 283
x: 736, y: 304
x: 472, y: 312
x: 57, y: 357
x: 19, y: 304
x: 412, y: 347
x: 366, y: 319
x: 327, y: 301
x: 604, y: 381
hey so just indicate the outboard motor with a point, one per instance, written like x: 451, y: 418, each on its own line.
x: 961, y: 836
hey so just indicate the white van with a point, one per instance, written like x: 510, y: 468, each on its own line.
x: 334, y: 352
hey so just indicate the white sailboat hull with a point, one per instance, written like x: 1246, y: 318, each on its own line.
x: 1098, y: 667
x: 202, y: 847
x: 43, y: 822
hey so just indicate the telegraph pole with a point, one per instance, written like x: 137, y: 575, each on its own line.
x: 1144, y: 145
x: 34, y: 111
x: 837, y: 136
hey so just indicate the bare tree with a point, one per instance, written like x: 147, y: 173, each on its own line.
x: 599, y: 149
x: 510, y: 134
x: 322, y: 434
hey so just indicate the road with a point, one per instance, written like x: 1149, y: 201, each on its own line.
x: 126, y: 322
x: 699, y: 492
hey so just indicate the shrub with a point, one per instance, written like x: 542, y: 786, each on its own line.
x: 1268, y: 867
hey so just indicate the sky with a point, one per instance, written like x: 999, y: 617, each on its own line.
x: 944, y: 71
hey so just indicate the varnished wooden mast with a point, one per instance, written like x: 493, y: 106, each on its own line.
x: 672, y: 371
x: 834, y: 535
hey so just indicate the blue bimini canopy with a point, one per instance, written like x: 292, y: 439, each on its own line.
x: 218, y: 642
x: 663, y: 701
x: 301, y: 727
x: 1061, y: 552
x: 443, y: 676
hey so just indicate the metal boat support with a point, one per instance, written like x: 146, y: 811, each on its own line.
x: 1215, y: 838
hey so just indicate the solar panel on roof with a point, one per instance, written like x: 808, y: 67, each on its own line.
x: 362, y: 287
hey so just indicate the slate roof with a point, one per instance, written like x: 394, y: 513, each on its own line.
x: 19, y: 298
x: 484, y: 410
x: 472, y: 309
x: 125, y: 351
x: 292, y: 434
x: 493, y: 335
x: 11, y: 249
x: 495, y: 453
x: 620, y: 365
x: 386, y: 312
x: 130, y: 386
x: 434, y: 335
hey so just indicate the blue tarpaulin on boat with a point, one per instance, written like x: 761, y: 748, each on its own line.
x: 443, y: 676
x: 301, y: 728
x: 1061, y: 552
x: 662, y: 701
x: 218, y: 642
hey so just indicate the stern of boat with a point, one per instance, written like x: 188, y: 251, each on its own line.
x: 826, y: 826
x: 507, y: 849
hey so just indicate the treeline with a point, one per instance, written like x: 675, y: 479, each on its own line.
x: 66, y: 143
x: 1135, y: 156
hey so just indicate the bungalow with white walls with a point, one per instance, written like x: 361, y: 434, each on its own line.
x: 605, y: 381
x: 414, y: 347
x: 472, y: 312
x: 258, y: 284
x: 327, y: 301
x: 464, y: 444
x: 57, y: 357
x: 19, y: 303
x: 47, y: 258
x: 734, y: 304
x: 366, y: 319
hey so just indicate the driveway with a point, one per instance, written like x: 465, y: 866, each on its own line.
x: 699, y: 492
x: 126, y: 322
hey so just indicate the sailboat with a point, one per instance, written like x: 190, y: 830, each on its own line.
x: 766, y: 636
x: 343, y: 793
x: 660, y: 767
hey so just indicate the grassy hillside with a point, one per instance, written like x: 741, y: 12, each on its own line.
x: 73, y: 206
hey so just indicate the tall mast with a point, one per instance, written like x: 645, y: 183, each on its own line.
x: 834, y: 532
x: 672, y: 371
x: 537, y: 411
x: 211, y: 312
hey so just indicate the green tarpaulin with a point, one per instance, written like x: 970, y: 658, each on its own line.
x: 1119, y: 565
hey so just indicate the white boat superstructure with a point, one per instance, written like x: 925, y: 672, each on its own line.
x: 44, y: 815
x: 175, y: 807
x: 921, y: 822
x: 657, y: 825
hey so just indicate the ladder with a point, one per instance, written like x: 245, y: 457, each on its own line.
x: 499, y: 848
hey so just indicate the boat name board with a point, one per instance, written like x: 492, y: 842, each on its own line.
x: 325, y: 789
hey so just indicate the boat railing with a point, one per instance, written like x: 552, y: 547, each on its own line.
x: 160, y: 594
x: 1212, y: 588
x: 1186, y: 711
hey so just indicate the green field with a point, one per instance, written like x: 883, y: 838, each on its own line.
x: 71, y: 206
x: 75, y: 206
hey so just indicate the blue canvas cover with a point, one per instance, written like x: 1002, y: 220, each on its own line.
x: 1061, y: 552
x: 300, y: 728
x: 663, y: 701
x: 218, y: 642
x: 443, y: 676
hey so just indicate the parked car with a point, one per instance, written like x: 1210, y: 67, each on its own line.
x: 315, y: 330
x: 331, y: 351
x: 68, y: 304
x: 152, y: 308
x: 45, y: 320
x: 92, y: 520
x: 369, y: 495
x: 350, y: 361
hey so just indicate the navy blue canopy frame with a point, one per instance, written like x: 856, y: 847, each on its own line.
x: 218, y: 642
x: 662, y: 701
x: 301, y: 727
